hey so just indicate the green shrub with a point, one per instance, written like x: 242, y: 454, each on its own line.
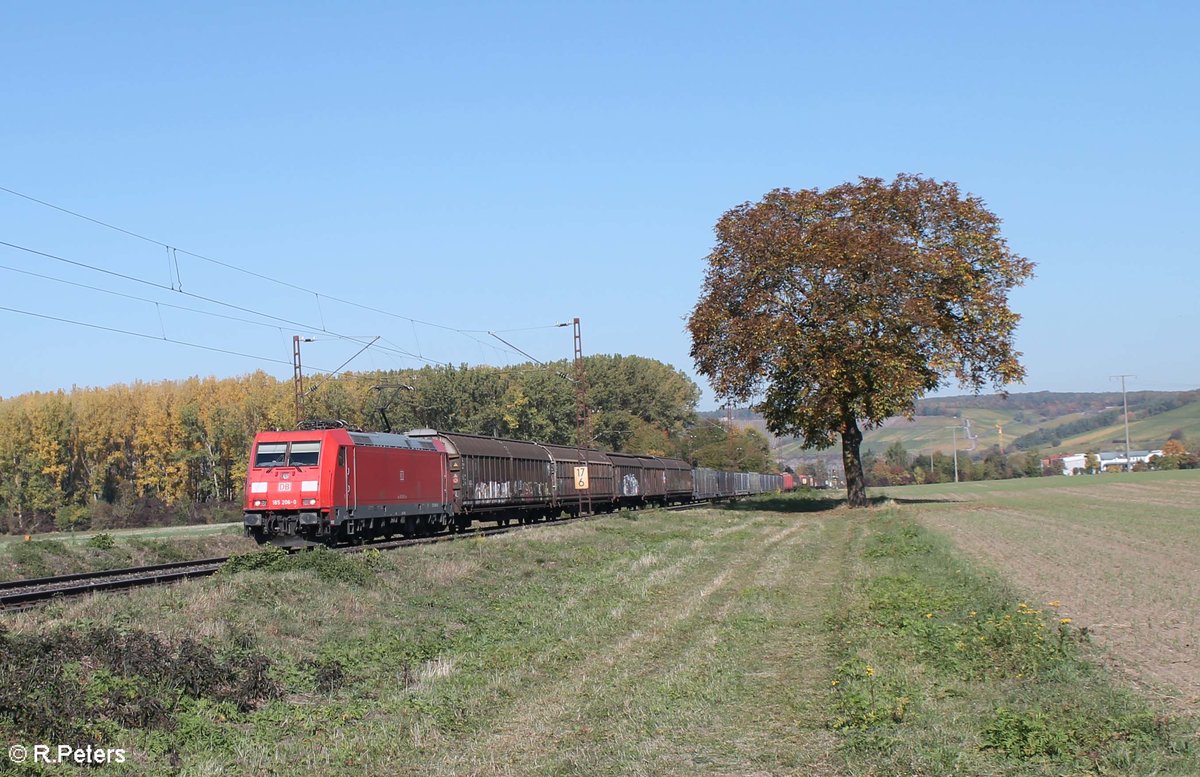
x: 1027, y: 735
x: 102, y: 541
x: 328, y: 565
x: 75, y: 683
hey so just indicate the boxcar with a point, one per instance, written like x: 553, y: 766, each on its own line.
x: 584, y: 480
x: 495, y: 479
x: 632, y: 482
x: 681, y: 483
x: 705, y: 484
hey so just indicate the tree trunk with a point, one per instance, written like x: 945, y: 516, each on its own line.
x: 856, y: 483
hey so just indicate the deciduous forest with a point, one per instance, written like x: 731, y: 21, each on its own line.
x: 176, y: 451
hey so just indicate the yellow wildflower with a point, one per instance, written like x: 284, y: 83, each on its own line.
x: 1064, y: 621
x: 928, y: 615
x: 1054, y: 603
x: 870, y: 671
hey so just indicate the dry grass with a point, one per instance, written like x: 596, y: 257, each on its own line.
x: 677, y: 643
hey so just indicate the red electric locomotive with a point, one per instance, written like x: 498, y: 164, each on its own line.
x: 334, y: 485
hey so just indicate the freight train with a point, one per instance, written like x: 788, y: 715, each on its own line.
x: 336, y: 485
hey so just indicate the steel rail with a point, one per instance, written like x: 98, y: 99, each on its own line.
x: 23, y: 594
x: 17, y: 595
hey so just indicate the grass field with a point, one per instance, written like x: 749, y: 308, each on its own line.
x: 779, y: 636
x: 151, y: 532
x: 64, y: 553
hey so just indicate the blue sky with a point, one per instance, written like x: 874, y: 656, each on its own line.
x: 502, y: 166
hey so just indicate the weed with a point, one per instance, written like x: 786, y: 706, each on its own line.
x: 101, y: 541
x: 164, y: 551
x: 74, y: 684
x: 329, y: 566
x: 1028, y: 734
x: 328, y: 674
x: 37, y: 558
x: 247, y: 562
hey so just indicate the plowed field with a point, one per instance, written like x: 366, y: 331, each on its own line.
x: 1119, y: 553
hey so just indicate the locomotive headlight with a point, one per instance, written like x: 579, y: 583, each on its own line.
x: 309, y: 501
x: 259, y: 503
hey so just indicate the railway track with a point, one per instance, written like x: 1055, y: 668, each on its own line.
x: 17, y: 595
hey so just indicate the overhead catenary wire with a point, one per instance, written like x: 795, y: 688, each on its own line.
x: 211, y: 300
x: 145, y: 336
x: 135, y: 297
x: 510, y: 345
x: 174, y: 251
x: 531, y: 356
x: 340, y: 367
x: 290, y: 322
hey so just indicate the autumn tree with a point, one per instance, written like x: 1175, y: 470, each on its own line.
x: 837, y: 309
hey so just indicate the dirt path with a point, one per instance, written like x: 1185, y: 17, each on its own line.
x: 721, y: 669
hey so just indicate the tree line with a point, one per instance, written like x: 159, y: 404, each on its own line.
x: 896, y: 467
x: 176, y: 451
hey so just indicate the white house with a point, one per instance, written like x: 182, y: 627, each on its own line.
x: 1108, y: 459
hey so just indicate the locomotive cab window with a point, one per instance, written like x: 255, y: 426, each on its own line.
x: 304, y: 454
x: 270, y: 454
x: 282, y: 454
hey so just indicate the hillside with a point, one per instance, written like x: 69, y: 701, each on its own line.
x: 1145, y: 433
x: 1067, y: 422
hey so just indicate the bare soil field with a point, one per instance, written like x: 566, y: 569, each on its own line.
x: 1118, y: 554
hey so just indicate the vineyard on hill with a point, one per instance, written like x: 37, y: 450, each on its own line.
x: 1045, y: 422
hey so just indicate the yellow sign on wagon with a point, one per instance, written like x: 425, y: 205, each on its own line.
x: 581, y: 478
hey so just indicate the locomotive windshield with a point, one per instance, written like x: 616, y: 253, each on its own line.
x: 270, y: 454
x: 304, y: 454
x: 277, y: 454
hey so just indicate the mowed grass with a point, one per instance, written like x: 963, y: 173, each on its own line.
x: 768, y: 639
x: 150, y: 532
x: 65, y: 553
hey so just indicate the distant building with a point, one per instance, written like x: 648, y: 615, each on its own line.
x: 1109, y: 460
x: 1118, y: 461
x: 1054, y: 461
x: 1072, y: 462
